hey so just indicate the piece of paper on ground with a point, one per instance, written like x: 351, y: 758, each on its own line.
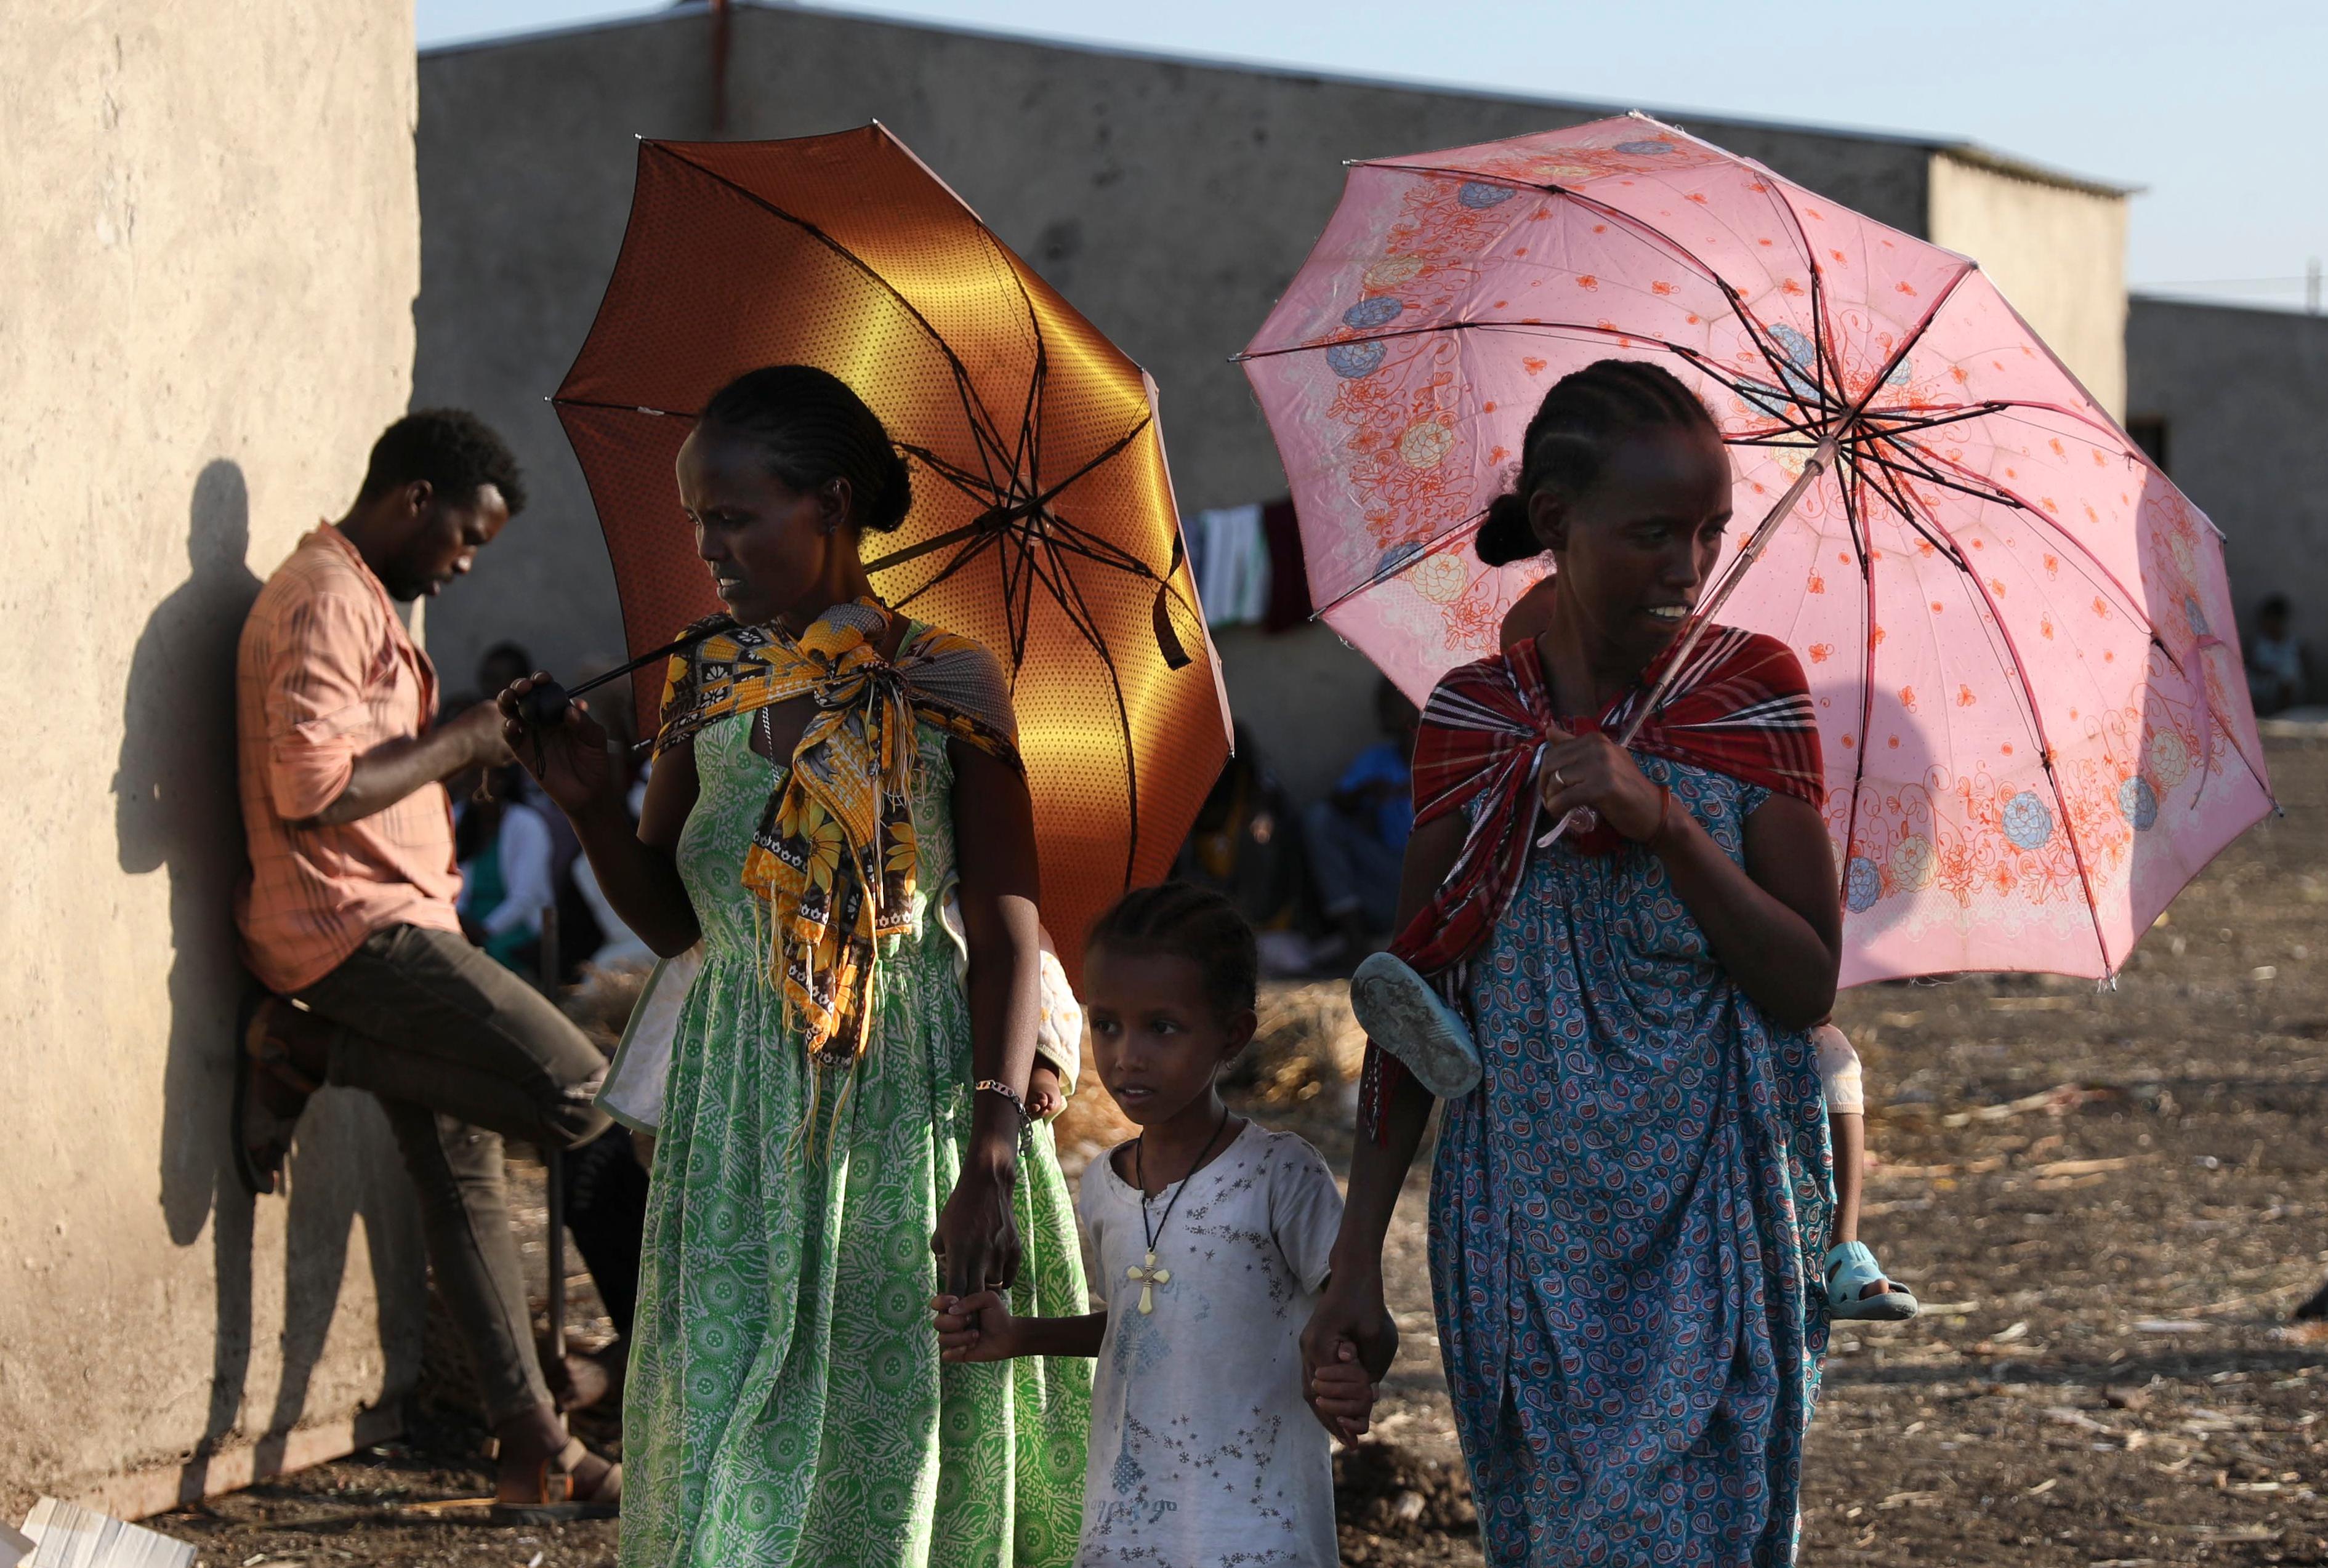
x: 65, y: 1536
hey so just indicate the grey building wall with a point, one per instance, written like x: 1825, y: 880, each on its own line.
x: 210, y: 258
x: 1170, y: 200
x: 2242, y: 398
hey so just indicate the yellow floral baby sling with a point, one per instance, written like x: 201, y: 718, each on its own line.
x: 834, y: 857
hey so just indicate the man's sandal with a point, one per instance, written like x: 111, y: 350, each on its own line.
x: 554, y: 1486
x: 1402, y: 1014
x: 270, y: 1091
x: 1851, y: 1268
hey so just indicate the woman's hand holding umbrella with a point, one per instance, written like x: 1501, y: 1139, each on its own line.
x: 568, y: 757
x: 1592, y: 773
x: 572, y: 761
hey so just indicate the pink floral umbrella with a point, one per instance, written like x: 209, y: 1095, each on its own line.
x: 2018, y: 633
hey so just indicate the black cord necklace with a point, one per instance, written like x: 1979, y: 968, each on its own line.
x: 1149, y: 1275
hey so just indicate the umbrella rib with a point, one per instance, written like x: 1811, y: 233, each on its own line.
x: 897, y: 558
x: 1029, y: 452
x: 2007, y: 497
x: 978, y: 486
x: 1896, y: 425
x: 1875, y: 451
x: 2044, y: 750
x: 1067, y: 538
x: 2116, y: 437
x: 1383, y: 574
x: 1642, y: 226
x: 977, y: 546
x: 1887, y: 485
x: 961, y: 372
x: 1779, y: 365
x: 1761, y: 394
x: 621, y: 407
x: 2132, y: 610
x: 1115, y: 449
x: 1866, y: 678
x: 1088, y: 622
x: 1890, y: 495
x: 1076, y: 541
x: 1029, y: 457
x: 1322, y: 344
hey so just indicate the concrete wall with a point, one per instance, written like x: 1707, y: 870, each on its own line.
x: 2244, y: 397
x: 210, y: 252
x: 1172, y: 202
x: 2057, y: 252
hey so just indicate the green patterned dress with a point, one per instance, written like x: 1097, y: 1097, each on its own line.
x: 786, y: 1405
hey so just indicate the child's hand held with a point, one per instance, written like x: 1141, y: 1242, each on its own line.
x: 1342, y: 1394
x: 974, y: 1327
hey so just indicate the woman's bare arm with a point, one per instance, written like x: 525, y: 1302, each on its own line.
x: 1776, y: 923
x: 994, y: 851
x: 1351, y: 1307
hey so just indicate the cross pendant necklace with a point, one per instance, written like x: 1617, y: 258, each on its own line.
x: 1148, y: 1274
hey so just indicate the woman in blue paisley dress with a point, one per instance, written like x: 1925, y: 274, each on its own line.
x: 1627, y: 1214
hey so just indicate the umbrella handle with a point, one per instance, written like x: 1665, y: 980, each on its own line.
x: 1816, y: 464
x: 546, y: 704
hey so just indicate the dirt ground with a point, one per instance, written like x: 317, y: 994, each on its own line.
x: 2107, y: 1199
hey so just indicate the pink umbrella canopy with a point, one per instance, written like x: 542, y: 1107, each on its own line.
x: 2018, y: 633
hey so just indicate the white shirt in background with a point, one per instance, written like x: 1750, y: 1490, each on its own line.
x: 525, y: 859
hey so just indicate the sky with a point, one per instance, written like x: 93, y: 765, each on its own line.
x: 2207, y: 108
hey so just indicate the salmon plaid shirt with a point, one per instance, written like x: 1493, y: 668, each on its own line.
x: 323, y: 673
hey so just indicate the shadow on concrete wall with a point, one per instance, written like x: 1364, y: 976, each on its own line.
x: 175, y: 810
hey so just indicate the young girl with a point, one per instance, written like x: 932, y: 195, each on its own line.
x: 1210, y: 1237
x: 1629, y: 1207
x: 841, y: 1100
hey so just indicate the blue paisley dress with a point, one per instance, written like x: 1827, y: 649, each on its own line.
x: 1626, y: 1219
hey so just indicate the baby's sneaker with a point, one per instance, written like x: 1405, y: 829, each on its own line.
x: 1402, y: 1014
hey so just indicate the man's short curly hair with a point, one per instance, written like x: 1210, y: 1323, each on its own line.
x: 454, y: 451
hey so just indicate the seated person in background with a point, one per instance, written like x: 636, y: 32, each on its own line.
x: 1357, y: 835
x: 2275, y: 660
x: 1246, y: 843
x: 504, y: 851
x: 578, y: 933
x: 500, y: 667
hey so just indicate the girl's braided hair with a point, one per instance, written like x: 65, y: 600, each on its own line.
x: 814, y: 428
x: 1574, y: 429
x: 1181, y: 920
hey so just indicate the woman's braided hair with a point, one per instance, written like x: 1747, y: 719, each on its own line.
x: 1182, y: 920
x: 814, y: 428
x: 1574, y: 429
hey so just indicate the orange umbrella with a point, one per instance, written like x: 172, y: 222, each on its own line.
x: 1043, y: 521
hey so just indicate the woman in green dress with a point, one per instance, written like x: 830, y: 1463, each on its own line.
x: 846, y: 1092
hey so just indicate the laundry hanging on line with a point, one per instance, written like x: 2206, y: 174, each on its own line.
x: 1248, y: 565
